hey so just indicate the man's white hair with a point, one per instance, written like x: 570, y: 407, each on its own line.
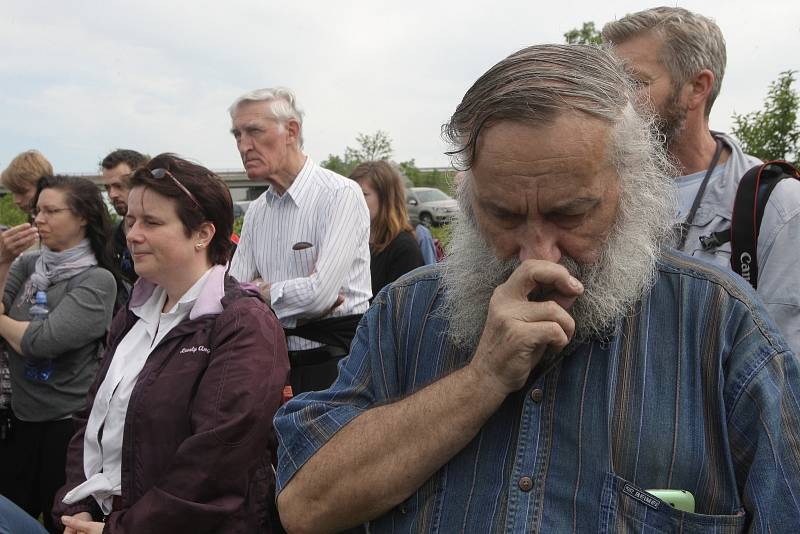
x: 282, y: 104
x: 535, y: 86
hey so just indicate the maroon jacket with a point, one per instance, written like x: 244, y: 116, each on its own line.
x: 198, y: 439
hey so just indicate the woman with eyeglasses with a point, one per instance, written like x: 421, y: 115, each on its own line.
x: 177, y: 432
x: 54, y: 355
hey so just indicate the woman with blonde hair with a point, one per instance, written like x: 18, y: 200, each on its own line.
x: 22, y: 175
x: 393, y: 247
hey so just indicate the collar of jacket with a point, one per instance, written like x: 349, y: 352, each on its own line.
x: 208, y: 303
x: 125, y: 320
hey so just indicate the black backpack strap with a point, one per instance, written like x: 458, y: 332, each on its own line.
x: 748, y: 210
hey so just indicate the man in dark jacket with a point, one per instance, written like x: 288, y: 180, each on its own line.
x: 116, y: 168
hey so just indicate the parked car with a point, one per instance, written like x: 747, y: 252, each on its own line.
x: 430, y: 206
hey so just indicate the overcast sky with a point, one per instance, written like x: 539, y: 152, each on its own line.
x: 78, y: 79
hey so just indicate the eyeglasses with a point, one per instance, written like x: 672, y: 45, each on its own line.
x: 47, y: 212
x: 159, y: 174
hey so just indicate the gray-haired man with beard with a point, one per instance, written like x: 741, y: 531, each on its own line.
x: 560, y: 369
x: 678, y: 58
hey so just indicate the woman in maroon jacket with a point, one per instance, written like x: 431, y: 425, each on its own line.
x: 177, y: 434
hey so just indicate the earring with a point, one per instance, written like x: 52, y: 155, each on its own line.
x: 198, y: 246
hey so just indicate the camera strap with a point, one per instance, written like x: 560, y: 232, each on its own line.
x: 683, y: 228
x: 748, y: 210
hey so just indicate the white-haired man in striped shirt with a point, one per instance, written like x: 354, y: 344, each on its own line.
x: 305, y: 240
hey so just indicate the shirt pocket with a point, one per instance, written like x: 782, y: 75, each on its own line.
x: 303, y: 261
x: 627, y: 508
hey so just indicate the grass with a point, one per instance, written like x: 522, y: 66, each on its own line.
x: 442, y: 233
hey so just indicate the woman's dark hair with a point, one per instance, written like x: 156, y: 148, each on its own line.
x: 210, y: 199
x: 83, y: 199
x: 392, y: 216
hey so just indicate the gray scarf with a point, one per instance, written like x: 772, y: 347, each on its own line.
x: 52, y: 267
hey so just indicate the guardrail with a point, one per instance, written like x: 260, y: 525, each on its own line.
x: 237, y: 181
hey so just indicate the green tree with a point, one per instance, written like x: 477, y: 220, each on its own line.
x: 773, y: 132
x: 378, y: 146
x: 10, y: 214
x: 338, y: 165
x: 410, y: 170
x: 375, y: 147
x: 586, y: 35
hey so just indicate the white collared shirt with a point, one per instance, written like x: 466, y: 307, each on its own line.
x: 102, y: 458
x: 311, y: 244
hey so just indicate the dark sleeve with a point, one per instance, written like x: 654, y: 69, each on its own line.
x: 404, y: 257
x: 19, y: 272
x: 82, y: 315
x: 231, y: 420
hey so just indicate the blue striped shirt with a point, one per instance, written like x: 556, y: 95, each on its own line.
x: 311, y: 244
x: 694, y: 391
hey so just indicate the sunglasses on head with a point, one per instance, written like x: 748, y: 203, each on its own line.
x: 160, y: 173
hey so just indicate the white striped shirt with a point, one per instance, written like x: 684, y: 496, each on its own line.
x: 311, y: 244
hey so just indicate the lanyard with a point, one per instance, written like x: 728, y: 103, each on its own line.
x: 683, y: 228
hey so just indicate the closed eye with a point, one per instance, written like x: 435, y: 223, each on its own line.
x: 505, y: 218
x: 574, y: 212
x: 567, y: 220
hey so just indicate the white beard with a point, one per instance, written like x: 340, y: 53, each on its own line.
x: 613, y: 284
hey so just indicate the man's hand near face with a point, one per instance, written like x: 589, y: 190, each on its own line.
x: 15, y: 241
x: 518, y: 331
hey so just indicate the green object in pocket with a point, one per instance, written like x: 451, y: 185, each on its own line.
x: 678, y: 499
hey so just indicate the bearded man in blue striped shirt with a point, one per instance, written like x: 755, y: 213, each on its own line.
x: 562, y: 368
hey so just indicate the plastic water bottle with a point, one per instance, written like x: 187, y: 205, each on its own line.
x: 39, y: 369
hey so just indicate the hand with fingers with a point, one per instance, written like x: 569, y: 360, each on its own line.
x: 339, y: 301
x: 263, y: 287
x: 517, y: 331
x: 15, y: 241
x: 81, y: 523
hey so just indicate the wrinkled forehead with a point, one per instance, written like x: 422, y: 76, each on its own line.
x: 572, y: 143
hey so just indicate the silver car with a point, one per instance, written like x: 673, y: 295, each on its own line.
x: 430, y: 206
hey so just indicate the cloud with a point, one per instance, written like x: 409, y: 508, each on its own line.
x: 80, y: 79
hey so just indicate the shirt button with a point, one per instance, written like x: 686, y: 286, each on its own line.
x: 525, y: 483
x: 536, y: 395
